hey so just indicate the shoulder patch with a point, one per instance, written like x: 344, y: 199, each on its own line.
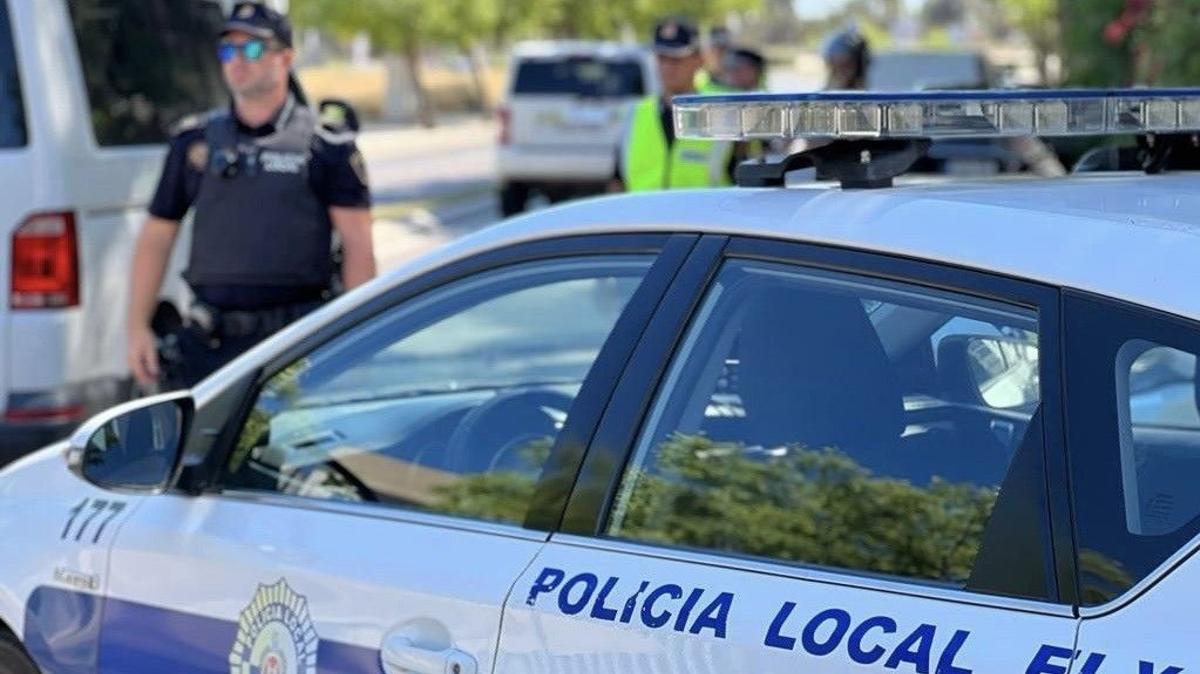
x: 197, y: 155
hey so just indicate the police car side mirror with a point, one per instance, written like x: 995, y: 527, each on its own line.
x: 996, y: 371
x: 137, y: 446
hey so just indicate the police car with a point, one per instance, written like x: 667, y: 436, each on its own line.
x: 937, y: 427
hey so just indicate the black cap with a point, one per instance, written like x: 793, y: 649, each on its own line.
x: 260, y: 21
x: 751, y: 56
x: 674, y: 37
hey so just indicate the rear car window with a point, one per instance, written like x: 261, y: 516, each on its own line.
x: 580, y: 76
x: 1160, y: 436
x: 12, y: 103
x: 902, y: 71
x: 1133, y: 428
x: 147, y: 64
x: 808, y: 419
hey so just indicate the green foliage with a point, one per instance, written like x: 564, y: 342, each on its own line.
x: 1038, y: 20
x: 500, y: 496
x: 1089, y: 60
x: 814, y: 506
x: 1169, y: 39
x: 394, y: 25
x: 1102, y: 577
x: 818, y: 507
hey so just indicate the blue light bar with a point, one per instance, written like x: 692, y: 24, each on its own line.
x: 938, y: 114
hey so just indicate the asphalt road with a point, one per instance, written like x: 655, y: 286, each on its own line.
x: 430, y: 185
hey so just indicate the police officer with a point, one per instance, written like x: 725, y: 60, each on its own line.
x: 847, y: 57
x: 712, y: 78
x: 651, y: 158
x: 745, y: 69
x: 268, y: 185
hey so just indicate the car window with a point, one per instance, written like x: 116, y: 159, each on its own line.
x: 448, y: 403
x: 908, y: 71
x: 580, y: 76
x: 807, y: 418
x: 147, y: 64
x: 12, y: 104
x: 1160, y: 436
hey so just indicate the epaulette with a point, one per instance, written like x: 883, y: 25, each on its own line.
x: 193, y: 122
x: 337, y: 121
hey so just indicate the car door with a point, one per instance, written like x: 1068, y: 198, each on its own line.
x: 366, y: 508
x: 806, y: 489
x: 1131, y: 376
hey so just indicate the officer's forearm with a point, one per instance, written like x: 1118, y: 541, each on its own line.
x: 358, y: 250
x: 150, y: 258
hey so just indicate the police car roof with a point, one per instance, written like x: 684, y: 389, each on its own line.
x: 1128, y: 236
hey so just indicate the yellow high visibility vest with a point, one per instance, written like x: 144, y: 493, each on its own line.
x: 648, y: 164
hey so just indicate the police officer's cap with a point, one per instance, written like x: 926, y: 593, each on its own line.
x: 751, y: 56
x: 674, y: 37
x: 847, y: 42
x: 260, y: 21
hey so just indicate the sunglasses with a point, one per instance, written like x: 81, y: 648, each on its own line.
x: 252, y: 50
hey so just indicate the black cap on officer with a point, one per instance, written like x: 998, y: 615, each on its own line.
x: 260, y: 21
x: 255, y: 18
x: 674, y: 37
x: 748, y: 55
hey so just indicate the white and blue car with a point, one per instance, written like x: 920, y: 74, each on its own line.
x: 925, y: 428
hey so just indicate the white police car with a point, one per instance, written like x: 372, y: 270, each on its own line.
x: 938, y: 428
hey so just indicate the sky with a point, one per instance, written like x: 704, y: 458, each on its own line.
x: 818, y: 9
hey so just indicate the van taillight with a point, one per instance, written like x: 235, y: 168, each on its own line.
x: 45, y: 263
x: 504, y: 117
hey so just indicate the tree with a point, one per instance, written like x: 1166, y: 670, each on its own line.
x: 395, y: 26
x: 1167, y: 41
x: 1092, y: 58
x: 1038, y: 20
x: 813, y: 506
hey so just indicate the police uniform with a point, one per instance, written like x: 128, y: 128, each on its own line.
x: 651, y: 158
x: 261, y: 242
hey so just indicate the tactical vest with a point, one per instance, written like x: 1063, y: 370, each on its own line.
x: 257, y: 220
x: 648, y: 164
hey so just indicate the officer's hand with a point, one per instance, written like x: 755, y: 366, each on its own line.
x: 143, y: 356
x: 616, y: 185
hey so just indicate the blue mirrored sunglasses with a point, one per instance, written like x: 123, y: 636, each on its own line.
x: 252, y: 50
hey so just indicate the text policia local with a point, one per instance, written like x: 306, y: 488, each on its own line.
x: 827, y: 632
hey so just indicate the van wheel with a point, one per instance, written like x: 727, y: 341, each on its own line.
x: 13, y: 659
x: 513, y: 198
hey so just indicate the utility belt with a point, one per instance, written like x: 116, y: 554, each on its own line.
x: 216, y: 323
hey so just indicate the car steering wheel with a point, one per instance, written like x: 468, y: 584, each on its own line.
x: 500, y: 426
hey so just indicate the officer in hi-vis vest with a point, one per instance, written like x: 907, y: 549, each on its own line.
x: 269, y: 182
x: 651, y: 158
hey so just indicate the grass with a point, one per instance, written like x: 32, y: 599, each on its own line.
x: 366, y: 87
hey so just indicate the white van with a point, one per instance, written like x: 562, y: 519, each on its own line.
x: 88, y: 91
x: 563, y: 117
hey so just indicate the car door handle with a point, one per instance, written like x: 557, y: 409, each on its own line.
x: 401, y: 656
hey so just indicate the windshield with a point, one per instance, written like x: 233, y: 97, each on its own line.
x: 580, y: 76
x: 916, y: 71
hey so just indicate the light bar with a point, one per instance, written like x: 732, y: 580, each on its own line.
x: 938, y: 114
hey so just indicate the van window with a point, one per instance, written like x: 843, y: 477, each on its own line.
x: 147, y: 64
x: 580, y: 76
x: 12, y: 104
